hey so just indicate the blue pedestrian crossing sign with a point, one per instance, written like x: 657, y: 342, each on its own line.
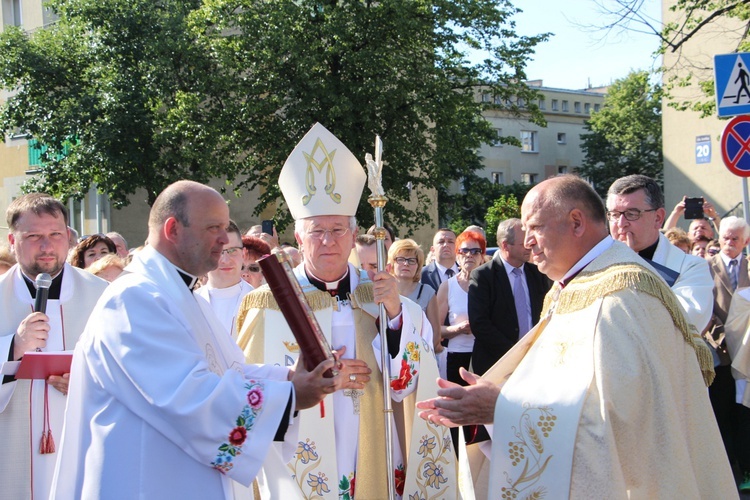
x: 732, y: 80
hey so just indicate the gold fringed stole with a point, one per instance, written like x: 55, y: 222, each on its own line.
x: 591, y: 285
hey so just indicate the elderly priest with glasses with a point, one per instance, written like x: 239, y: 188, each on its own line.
x: 342, y: 446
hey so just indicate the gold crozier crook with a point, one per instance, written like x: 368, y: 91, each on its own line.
x: 327, y: 162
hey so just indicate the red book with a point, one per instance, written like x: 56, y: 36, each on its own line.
x: 40, y: 365
x: 294, y: 306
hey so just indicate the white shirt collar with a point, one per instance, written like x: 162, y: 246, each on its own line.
x: 592, y: 254
x: 726, y: 259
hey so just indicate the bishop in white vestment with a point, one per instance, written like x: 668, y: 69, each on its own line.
x: 342, y: 446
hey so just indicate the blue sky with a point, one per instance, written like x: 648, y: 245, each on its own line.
x: 575, y: 55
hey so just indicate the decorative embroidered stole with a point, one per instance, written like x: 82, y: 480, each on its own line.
x: 435, y: 470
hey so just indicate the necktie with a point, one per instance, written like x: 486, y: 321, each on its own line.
x: 522, y: 303
x: 449, y: 273
x: 733, y: 273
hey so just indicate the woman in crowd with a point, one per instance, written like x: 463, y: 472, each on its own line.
x: 253, y: 249
x: 91, y: 249
x: 405, y: 261
x: 453, y: 301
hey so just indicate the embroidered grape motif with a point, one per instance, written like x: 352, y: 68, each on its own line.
x: 516, y: 453
x: 546, y: 424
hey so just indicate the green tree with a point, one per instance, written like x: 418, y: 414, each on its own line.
x: 625, y: 136
x: 147, y: 92
x: 505, y: 207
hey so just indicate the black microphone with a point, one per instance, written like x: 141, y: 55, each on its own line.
x: 43, y: 282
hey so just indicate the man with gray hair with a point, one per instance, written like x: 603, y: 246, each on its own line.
x: 345, y: 444
x: 635, y: 211
x: 505, y: 297
x: 120, y: 243
x: 730, y: 272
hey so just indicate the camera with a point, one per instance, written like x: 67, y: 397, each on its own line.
x: 694, y: 208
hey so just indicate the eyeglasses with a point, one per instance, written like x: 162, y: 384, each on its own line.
x: 406, y: 260
x: 630, y: 214
x: 712, y: 251
x: 252, y: 268
x: 336, y: 232
x: 470, y: 251
x: 231, y: 251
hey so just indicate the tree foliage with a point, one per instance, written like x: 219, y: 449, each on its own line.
x: 505, y: 207
x: 484, y: 204
x: 625, y: 135
x: 716, y: 18
x: 150, y: 91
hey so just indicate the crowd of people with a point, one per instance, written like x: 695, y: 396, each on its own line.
x: 599, y: 352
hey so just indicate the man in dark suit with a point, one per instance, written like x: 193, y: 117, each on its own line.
x: 492, y: 305
x: 730, y: 272
x: 444, y: 266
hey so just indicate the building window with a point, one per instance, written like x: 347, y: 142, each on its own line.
x: 562, y: 170
x: 587, y: 108
x: 542, y: 104
x: 498, y: 134
x: 11, y: 12
x: 561, y: 139
x: 498, y: 178
x: 554, y: 104
x: 529, y: 178
x: 596, y: 108
x: 577, y: 107
x: 565, y: 106
x: 498, y: 100
x: 521, y: 102
x: 529, y: 142
x: 485, y: 97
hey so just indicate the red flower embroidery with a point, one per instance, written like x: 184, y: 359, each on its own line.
x: 238, y: 436
x: 400, y: 480
x: 402, y: 382
x: 255, y: 398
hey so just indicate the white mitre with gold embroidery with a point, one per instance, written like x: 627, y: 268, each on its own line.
x: 321, y: 177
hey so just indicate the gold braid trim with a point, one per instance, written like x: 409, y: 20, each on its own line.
x: 363, y: 293
x: 262, y: 298
x: 588, y: 287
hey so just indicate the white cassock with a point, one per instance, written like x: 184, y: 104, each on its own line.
x: 26, y: 472
x: 225, y: 302
x: 161, y: 404
x: 332, y: 447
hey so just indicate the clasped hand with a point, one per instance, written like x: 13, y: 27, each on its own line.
x: 311, y: 387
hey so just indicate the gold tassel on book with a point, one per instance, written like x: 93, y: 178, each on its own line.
x: 47, y: 444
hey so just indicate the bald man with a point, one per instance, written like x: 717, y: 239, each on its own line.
x: 162, y: 404
x: 606, y: 397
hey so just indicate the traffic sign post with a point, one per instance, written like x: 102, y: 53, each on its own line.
x: 735, y: 151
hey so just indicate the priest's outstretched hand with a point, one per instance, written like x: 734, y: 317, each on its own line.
x: 456, y: 405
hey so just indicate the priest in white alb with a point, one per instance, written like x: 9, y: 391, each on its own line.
x: 606, y: 397
x: 341, y: 451
x: 161, y: 402
x: 31, y: 411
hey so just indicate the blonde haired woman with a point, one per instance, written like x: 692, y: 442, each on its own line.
x: 405, y: 261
